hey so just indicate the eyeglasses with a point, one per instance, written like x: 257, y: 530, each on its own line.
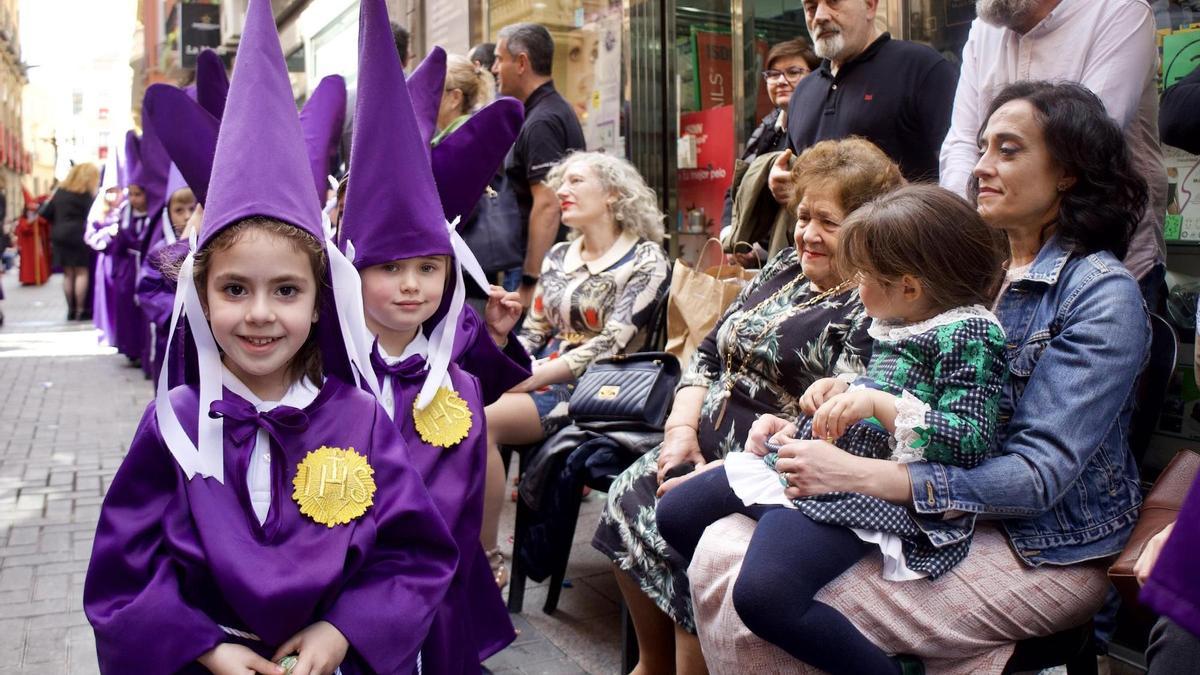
x: 792, y: 74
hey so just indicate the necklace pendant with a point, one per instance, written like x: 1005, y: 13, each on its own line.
x: 724, y: 404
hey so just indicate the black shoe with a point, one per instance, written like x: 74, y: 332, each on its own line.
x: 909, y: 665
x: 70, y: 315
x: 85, y: 316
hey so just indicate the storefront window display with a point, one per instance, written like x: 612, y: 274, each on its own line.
x: 588, y: 59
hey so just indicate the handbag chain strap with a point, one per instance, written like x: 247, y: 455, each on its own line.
x: 730, y: 376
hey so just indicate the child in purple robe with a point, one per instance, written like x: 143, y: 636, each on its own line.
x: 394, y: 229
x: 125, y: 254
x: 267, y: 510
x: 155, y: 290
x: 103, y: 222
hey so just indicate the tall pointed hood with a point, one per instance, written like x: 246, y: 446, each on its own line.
x: 188, y: 132
x: 175, y: 183
x: 426, y: 86
x: 153, y: 165
x: 392, y: 206
x: 322, y: 119
x: 393, y: 210
x: 260, y: 166
x: 259, y: 169
x: 465, y: 161
x: 109, y: 178
x: 121, y: 173
x: 133, y: 158
x: 212, y: 83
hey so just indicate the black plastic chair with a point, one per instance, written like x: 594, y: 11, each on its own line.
x: 656, y: 337
x: 1152, y: 390
x: 517, y: 577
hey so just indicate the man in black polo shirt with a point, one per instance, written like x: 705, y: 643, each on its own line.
x: 524, y: 53
x: 898, y: 95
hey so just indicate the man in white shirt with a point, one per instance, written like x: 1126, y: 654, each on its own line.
x: 1107, y: 46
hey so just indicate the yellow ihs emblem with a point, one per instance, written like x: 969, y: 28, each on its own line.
x: 333, y: 485
x: 445, y: 421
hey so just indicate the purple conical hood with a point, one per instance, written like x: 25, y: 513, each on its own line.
x: 189, y: 134
x: 392, y: 206
x: 322, y: 119
x: 133, y: 157
x: 426, y: 86
x: 152, y: 170
x: 175, y: 183
x: 125, y: 158
x: 212, y: 83
x: 260, y: 167
x: 466, y: 159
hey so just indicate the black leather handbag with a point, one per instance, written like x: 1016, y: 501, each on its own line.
x: 637, y: 388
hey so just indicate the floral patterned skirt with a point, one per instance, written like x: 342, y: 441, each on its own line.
x: 628, y: 535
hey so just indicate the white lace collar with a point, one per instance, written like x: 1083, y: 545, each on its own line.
x: 889, y: 331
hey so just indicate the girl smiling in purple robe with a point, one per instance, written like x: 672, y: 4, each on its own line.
x: 427, y: 355
x: 267, y: 513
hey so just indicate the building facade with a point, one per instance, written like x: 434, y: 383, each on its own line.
x: 15, y: 161
x: 673, y: 85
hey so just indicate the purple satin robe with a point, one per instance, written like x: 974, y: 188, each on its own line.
x: 472, y: 622
x: 128, y: 248
x: 155, y: 294
x: 173, y: 559
x: 1172, y: 589
x: 100, y: 240
x: 498, y: 370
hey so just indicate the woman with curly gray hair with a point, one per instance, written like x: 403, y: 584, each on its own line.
x: 597, y: 291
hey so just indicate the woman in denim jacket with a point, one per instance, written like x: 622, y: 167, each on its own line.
x: 1061, y: 496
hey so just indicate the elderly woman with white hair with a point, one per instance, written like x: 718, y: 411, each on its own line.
x: 596, y: 294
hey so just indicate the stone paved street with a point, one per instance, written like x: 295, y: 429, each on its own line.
x: 68, y: 408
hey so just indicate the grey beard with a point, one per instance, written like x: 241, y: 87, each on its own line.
x: 831, y: 47
x: 1007, y: 13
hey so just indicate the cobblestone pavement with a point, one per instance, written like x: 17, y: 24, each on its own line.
x: 68, y: 408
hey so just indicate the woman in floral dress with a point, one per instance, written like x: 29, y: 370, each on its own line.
x: 597, y: 293
x: 797, y: 322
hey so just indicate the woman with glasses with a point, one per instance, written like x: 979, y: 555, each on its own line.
x: 787, y: 63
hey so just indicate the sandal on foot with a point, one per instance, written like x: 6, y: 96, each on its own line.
x: 499, y: 570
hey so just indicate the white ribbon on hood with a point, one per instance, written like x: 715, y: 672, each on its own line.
x: 441, y: 344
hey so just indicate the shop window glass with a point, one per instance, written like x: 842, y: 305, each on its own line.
x: 588, y: 59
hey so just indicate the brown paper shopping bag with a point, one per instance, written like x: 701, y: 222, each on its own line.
x: 697, y: 300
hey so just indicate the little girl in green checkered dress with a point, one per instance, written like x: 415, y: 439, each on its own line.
x: 927, y: 266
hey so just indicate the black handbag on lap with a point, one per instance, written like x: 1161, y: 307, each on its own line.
x: 635, y: 388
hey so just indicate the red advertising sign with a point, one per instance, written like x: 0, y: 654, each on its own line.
x: 714, y: 71
x: 702, y: 189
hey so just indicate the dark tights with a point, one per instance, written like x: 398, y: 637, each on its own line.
x: 791, y: 557
x: 75, y: 285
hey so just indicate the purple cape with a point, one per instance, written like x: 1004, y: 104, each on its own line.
x: 472, y: 622
x: 99, y: 238
x: 156, y: 296
x: 127, y: 249
x: 497, y: 370
x: 174, y: 560
x: 1172, y: 589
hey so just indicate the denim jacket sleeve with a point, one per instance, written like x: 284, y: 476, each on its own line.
x: 1091, y: 353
